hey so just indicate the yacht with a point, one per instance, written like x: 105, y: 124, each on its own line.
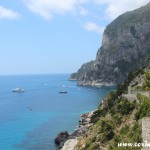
x: 18, y: 90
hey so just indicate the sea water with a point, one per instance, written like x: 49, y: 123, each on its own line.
x: 32, y: 119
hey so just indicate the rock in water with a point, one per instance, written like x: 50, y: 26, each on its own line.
x: 61, y: 138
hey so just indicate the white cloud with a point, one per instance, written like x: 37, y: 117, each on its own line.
x: 49, y: 8
x: 116, y: 7
x: 83, y: 11
x: 91, y: 26
x: 7, y: 13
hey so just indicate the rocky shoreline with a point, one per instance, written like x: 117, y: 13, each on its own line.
x: 95, y: 84
x: 66, y: 141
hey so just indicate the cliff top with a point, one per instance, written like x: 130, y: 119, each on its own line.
x: 129, y: 18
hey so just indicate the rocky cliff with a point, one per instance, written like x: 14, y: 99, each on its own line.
x: 83, y: 71
x: 125, y: 46
x: 122, y: 117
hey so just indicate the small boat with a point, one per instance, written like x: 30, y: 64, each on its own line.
x: 65, y: 92
x: 18, y: 90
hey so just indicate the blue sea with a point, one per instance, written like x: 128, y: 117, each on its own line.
x: 31, y: 120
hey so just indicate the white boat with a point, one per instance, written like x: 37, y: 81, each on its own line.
x: 18, y: 90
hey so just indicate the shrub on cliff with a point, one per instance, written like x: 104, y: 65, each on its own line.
x: 127, y: 134
x: 146, y: 83
x: 123, y: 107
x: 97, y: 114
x: 144, y: 107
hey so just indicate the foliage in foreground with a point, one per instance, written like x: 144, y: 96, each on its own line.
x: 118, y: 120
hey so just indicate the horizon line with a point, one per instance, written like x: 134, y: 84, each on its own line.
x: 34, y: 74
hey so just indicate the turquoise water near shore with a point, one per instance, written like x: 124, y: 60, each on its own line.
x: 31, y: 120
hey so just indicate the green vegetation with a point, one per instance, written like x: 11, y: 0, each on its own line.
x: 101, y: 112
x: 127, y: 134
x: 146, y: 83
x: 143, y: 109
x: 93, y: 146
x: 117, y: 119
x: 108, y: 120
x: 123, y: 107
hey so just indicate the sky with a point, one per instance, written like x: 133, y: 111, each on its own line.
x: 49, y: 36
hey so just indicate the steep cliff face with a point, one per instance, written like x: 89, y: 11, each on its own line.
x: 83, y: 72
x: 125, y: 46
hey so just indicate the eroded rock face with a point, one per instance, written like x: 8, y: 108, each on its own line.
x: 83, y: 71
x: 125, y: 46
x: 61, y: 138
